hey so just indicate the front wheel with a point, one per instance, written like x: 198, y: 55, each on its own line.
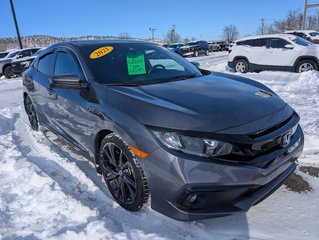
x: 241, y: 66
x: 123, y: 174
x: 196, y: 54
x: 306, y: 65
x: 8, y: 72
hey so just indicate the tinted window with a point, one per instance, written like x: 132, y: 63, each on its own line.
x: 45, y: 64
x: 65, y: 64
x: 242, y: 43
x: 26, y: 53
x: 278, y: 43
x: 13, y: 54
x: 259, y: 42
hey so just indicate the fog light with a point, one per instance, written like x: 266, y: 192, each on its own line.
x: 193, y: 198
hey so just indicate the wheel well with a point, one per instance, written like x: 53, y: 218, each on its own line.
x: 97, y: 143
x: 306, y: 58
x: 241, y: 57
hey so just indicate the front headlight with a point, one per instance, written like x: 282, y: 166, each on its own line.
x: 202, y: 147
x: 25, y: 63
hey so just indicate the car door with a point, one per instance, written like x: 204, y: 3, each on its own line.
x: 254, y: 50
x: 276, y: 53
x: 68, y: 108
x: 36, y: 80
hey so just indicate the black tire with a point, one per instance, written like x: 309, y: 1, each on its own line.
x: 207, y: 53
x: 31, y: 113
x: 241, y: 66
x: 306, y: 65
x: 8, y: 72
x: 196, y: 53
x: 123, y: 174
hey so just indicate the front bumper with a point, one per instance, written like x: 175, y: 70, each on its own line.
x: 18, y: 69
x: 222, y: 188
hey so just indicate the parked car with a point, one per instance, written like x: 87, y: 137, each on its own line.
x: 176, y: 47
x: 310, y: 35
x: 18, y: 66
x: 225, y: 47
x: 214, y: 47
x: 5, y: 63
x: 283, y: 52
x: 195, y: 49
x: 155, y: 125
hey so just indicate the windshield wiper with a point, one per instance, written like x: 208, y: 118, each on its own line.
x: 183, y: 77
x: 124, y: 84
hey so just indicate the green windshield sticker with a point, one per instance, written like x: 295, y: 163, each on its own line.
x: 135, y: 64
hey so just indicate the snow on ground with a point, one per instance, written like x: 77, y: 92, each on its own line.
x: 46, y: 192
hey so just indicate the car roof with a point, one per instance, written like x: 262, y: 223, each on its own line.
x: 302, y: 31
x: 283, y: 35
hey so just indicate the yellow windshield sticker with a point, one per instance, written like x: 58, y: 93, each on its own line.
x: 100, y: 52
x: 135, y: 64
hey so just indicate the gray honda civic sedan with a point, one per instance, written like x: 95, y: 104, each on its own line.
x: 197, y: 144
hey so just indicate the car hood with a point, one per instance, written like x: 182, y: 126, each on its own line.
x: 208, y: 103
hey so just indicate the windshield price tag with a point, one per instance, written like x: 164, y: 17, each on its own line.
x: 135, y: 64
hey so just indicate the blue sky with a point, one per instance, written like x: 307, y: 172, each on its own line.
x: 199, y: 18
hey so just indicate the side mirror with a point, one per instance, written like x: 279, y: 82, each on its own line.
x: 67, y: 81
x: 289, y: 46
x: 196, y: 64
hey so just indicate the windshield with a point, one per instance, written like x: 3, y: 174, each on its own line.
x: 137, y: 63
x: 13, y: 54
x: 313, y: 34
x: 301, y: 41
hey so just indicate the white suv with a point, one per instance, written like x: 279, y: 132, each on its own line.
x: 283, y: 52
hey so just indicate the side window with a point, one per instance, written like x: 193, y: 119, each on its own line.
x: 25, y: 53
x: 259, y: 42
x: 278, y: 43
x: 65, y: 64
x: 34, y: 50
x: 45, y: 64
x: 243, y: 43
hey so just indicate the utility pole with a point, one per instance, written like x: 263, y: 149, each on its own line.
x: 306, y: 7
x: 16, y: 24
x: 153, y: 30
x: 173, y: 33
x: 262, y: 26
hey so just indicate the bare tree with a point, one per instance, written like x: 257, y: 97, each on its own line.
x: 230, y: 33
x: 124, y: 35
x: 172, y: 36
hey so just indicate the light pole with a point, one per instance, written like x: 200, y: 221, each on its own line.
x: 152, y: 30
x: 16, y: 24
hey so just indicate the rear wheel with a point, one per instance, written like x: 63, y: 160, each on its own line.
x: 123, y: 174
x: 30, y: 110
x: 196, y: 54
x: 306, y: 65
x: 207, y: 53
x: 241, y: 66
x: 8, y: 72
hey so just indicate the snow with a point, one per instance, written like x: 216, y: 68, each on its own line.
x: 49, y: 192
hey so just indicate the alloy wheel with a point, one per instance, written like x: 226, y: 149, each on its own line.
x: 240, y: 67
x: 118, y: 174
x: 306, y: 67
x: 29, y: 108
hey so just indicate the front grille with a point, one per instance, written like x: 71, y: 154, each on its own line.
x: 269, y: 130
